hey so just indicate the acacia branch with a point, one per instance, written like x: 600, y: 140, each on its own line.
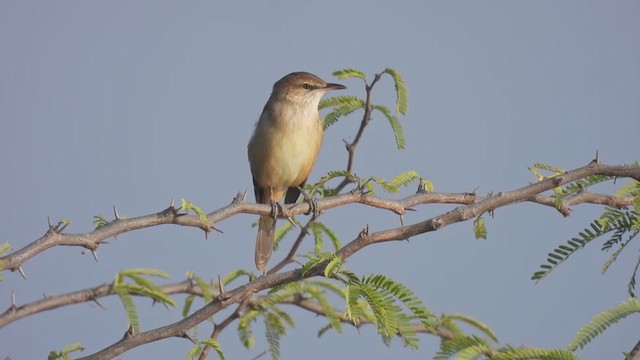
x: 55, y: 237
x: 459, y: 214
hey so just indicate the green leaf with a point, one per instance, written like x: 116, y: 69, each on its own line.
x: 341, y: 111
x: 602, y: 321
x: 215, y: 345
x: 396, y: 126
x: 129, y: 308
x: 405, y: 179
x: 236, y: 274
x: 401, y: 91
x: 99, y: 221
x: 475, y: 323
x: 479, y: 228
x: 333, y: 266
x: 348, y: 73
x: 188, y: 301
x: 335, y: 241
x: 64, y: 353
x: 282, y: 231
x: 186, y: 206
x: 205, y: 287
x: 244, y: 328
x: 454, y: 346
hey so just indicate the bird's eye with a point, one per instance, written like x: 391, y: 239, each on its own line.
x: 306, y: 86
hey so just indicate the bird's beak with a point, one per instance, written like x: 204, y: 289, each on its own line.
x: 335, y: 87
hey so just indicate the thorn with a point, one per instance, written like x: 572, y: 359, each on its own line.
x: 240, y: 197
x: 95, y: 255
x: 474, y: 190
x: 49, y: 222
x: 99, y: 304
x: 410, y: 209
x: 22, y: 272
x: 115, y: 212
x: 597, y: 159
x: 220, y: 286
x: 186, y: 335
x: 13, y: 299
x: 128, y: 333
x: 44, y: 296
x: 401, y: 220
x: 60, y: 229
x: 172, y: 205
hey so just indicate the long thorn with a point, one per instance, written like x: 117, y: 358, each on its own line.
x: 99, y: 304
x: 115, y: 212
x: 22, y: 272
x: 95, y: 255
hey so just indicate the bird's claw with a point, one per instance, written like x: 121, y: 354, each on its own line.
x: 277, y: 210
x: 313, y: 204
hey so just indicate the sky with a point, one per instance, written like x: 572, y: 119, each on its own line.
x: 136, y: 103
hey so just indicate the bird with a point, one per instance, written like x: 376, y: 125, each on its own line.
x: 284, y: 147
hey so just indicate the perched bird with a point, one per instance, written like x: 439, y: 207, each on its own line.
x: 284, y: 148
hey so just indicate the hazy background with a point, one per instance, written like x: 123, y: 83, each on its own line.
x: 135, y: 103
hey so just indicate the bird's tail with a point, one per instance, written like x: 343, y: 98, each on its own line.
x: 264, y: 241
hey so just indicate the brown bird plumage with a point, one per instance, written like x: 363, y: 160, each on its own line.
x: 284, y: 148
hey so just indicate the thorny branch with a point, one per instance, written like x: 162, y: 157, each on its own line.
x: 473, y: 208
x: 92, y: 240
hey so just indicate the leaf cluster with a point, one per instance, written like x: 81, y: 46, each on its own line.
x: 140, y: 286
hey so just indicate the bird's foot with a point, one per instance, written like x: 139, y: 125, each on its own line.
x: 313, y: 205
x: 278, y: 211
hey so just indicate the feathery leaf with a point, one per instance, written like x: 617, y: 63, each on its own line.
x: 401, y: 91
x: 396, y: 126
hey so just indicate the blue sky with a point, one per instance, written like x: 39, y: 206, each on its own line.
x: 135, y: 103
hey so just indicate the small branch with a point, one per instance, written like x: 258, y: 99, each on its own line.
x: 217, y: 329
x: 366, y: 118
x: 15, y: 312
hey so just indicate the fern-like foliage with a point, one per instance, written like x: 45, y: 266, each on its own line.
x: 401, y: 91
x: 342, y: 106
x: 475, y: 323
x: 319, y: 230
x: 388, y: 300
x: 480, y: 228
x: 245, y: 332
x: 204, y: 286
x: 282, y: 231
x: 99, y: 221
x: 141, y: 287
x: 394, y: 185
x: 613, y: 221
x: 472, y: 345
x: 396, y: 126
x: 347, y: 73
x: 602, y: 321
x: 317, y: 259
x: 321, y: 188
x: 64, y: 353
x: 187, y: 206
x: 197, y: 349
x: 528, y: 353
